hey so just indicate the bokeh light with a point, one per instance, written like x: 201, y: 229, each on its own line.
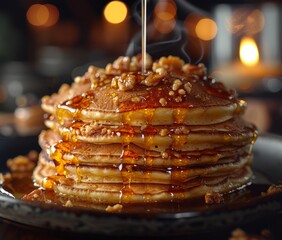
x: 164, y: 26
x: 249, y: 54
x: 164, y: 16
x: 53, y: 15
x: 42, y: 15
x: 37, y: 14
x: 206, y: 29
x: 165, y: 10
x: 115, y: 12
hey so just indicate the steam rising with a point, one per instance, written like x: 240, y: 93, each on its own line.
x: 177, y: 42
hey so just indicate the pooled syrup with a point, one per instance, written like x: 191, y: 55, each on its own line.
x: 21, y: 185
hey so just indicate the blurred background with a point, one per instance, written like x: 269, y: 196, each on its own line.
x: 46, y: 43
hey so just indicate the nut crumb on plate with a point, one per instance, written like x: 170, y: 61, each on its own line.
x: 213, y: 198
x: 114, y: 208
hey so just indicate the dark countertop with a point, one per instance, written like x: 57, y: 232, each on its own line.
x: 11, y: 231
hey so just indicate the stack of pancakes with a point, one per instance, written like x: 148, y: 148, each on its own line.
x: 117, y: 135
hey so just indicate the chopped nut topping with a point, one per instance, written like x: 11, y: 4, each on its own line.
x: 122, y: 63
x: 161, y: 71
x: 273, y: 189
x: 171, y: 93
x: 94, y: 85
x: 136, y: 62
x: 163, y: 102
x: 152, y: 79
x: 114, y: 83
x: 213, y: 198
x: 109, y: 131
x: 170, y: 63
x: 176, y: 84
x: 111, y: 70
x: 35, y: 195
x: 188, y: 87
x: 68, y: 203
x: 181, y: 130
x: 94, y: 125
x: 86, y: 130
x: 116, y: 100
x: 92, y: 69
x: 164, y: 155
x: 77, y: 79
x: 178, y: 99
x: 181, y: 91
x: 195, y: 70
x: 164, y: 132
x: 124, y: 82
x: 128, y: 64
x: 104, y: 131
x: 136, y: 99
x: 20, y: 164
x: 115, y: 208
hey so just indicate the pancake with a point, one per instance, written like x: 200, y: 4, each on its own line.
x: 101, y: 96
x: 117, y: 135
x: 148, y: 193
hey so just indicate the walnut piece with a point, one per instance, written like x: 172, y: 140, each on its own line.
x: 200, y: 69
x: 188, y: 87
x: 170, y: 63
x: 163, y: 102
x: 213, y: 198
x: 152, y: 79
x: 21, y: 164
x: 176, y: 84
x: 68, y: 203
x: 125, y: 63
x: 124, y: 82
x: 115, y: 208
x: 273, y: 189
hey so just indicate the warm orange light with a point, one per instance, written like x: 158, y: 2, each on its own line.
x: 164, y: 17
x: 206, y: 29
x: 37, y: 14
x: 165, y: 10
x: 53, y: 15
x: 42, y: 15
x: 115, y: 12
x: 164, y: 26
x: 249, y: 54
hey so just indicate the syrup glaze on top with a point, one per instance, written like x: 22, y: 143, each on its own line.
x: 205, y: 92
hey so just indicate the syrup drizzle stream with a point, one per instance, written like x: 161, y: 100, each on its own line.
x: 144, y: 34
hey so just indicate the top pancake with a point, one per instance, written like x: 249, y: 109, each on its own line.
x: 169, y: 92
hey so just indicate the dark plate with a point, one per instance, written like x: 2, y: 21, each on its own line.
x: 247, y: 206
